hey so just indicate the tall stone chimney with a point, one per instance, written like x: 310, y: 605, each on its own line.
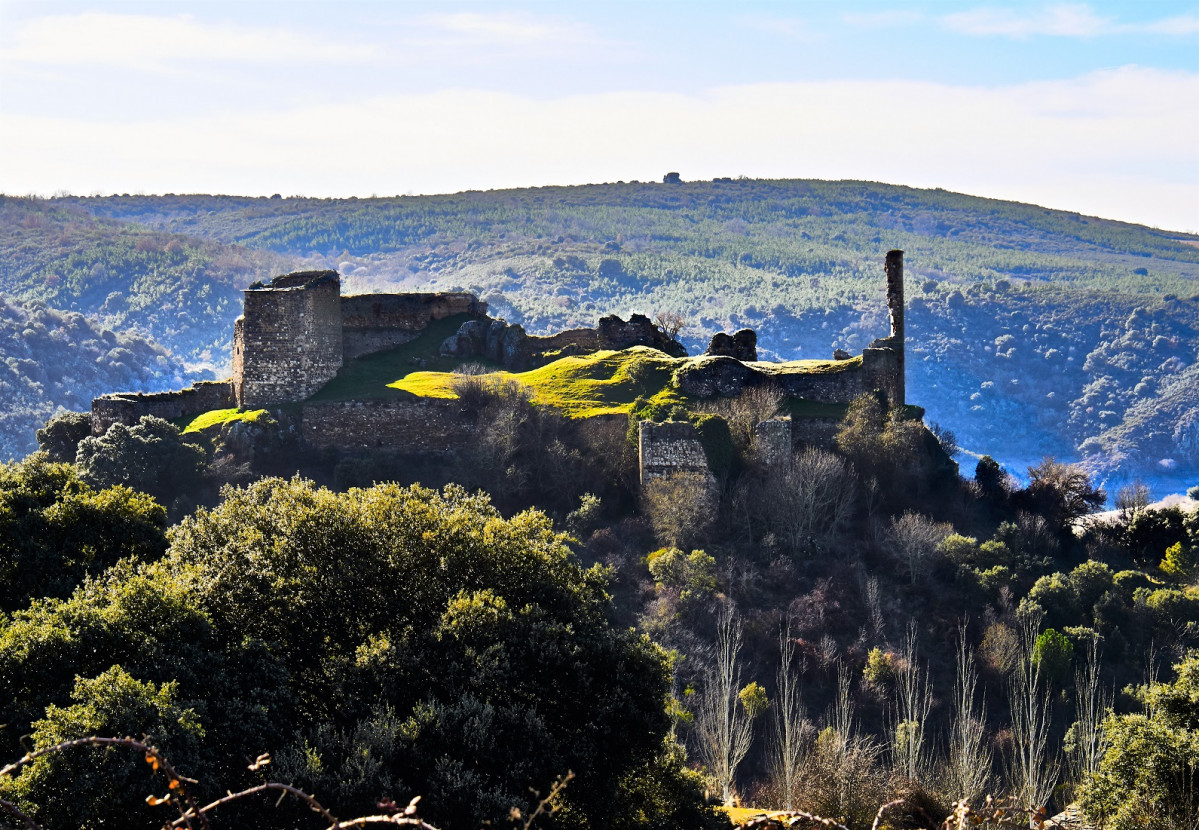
x: 894, y: 266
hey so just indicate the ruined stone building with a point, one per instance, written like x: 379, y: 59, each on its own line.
x: 298, y: 331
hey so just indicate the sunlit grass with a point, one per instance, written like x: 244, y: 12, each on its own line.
x: 217, y: 417
x: 602, y: 383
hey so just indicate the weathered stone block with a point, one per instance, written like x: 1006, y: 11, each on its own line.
x: 668, y: 449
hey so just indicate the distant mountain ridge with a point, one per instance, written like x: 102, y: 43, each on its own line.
x: 1031, y: 331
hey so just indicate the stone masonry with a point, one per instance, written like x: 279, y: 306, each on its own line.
x: 129, y: 407
x: 668, y: 449
x: 287, y: 344
x: 297, y: 331
x: 772, y: 440
x: 374, y: 322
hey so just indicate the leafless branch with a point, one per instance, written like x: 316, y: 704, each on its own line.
x: 260, y: 788
x: 13, y: 810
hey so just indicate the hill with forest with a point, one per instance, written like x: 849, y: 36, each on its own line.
x: 1031, y: 331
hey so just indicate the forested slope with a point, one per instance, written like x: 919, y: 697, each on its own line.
x: 1033, y: 331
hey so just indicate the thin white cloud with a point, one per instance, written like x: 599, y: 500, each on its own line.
x: 1076, y: 20
x: 1183, y: 24
x: 878, y: 20
x: 516, y: 29
x: 793, y: 27
x: 1113, y: 143
x: 477, y: 38
x: 146, y: 41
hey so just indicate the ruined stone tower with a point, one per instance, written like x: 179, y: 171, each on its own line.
x: 288, y: 341
x: 894, y: 267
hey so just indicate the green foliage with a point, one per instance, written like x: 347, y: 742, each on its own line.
x: 753, y: 699
x: 385, y: 642
x: 664, y: 794
x: 990, y: 477
x: 55, y: 530
x: 880, y: 667
x: 152, y: 457
x: 692, y: 575
x: 95, y: 787
x: 1149, y: 776
x: 587, y: 516
x: 1053, y: 654
x: 885, y: 444
x: 491, y: 646
x: 1149, y: 533
x: 959, y: 549
x: 1179, y: 562
x: 59, y: 438
x: 1062, y: 493
x: 53, y: 361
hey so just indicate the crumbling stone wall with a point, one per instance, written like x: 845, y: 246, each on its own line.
x: 878, y: 370
x: 129, y: 407
x: 815, y: 432
x: 288, y: 342
x: 668, y: 449
x: 742, y: 346
x: 772, y: 440
x: 432, y: 425
x: 374, y: 322
x: 510, y: 346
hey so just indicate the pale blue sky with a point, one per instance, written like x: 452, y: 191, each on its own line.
x: 1085, y: 106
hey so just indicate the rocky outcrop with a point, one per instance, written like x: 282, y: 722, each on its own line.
x: 489, y: 339
x: 615, y: 333
x: 740, y: 346
x: 509, y: 345
x: 715, y: 375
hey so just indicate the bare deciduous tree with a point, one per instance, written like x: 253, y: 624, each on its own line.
x: 969, y: 759
x: 1131, y: 499
x: 913, y: 540
x: 748, y: 409
x: 1032, y: 766
x: 792, y: 730
x: 1086, y: 742
x: 671, y: 323
x: 680, y: 507
x: 807, y: 501
x: 723, y: 729
x: 913, y: 702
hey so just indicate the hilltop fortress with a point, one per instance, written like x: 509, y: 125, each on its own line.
x: 298, y: 332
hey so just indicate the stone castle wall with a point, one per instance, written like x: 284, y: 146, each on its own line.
x: 288, y: 342
x: 668, y: 449
x: 418, y: 425
x: 772, y: 440
x: 129, y: 407
x: 375, y: 322
x: 878, y: 371
x: 817, y: 432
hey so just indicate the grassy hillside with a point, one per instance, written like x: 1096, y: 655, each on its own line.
x: 1031, y: 331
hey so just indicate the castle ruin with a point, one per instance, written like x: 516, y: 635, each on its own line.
x: 298, y: 331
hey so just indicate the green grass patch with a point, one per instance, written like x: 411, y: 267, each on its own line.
x: 369, y: 377
x: 581, y: 386
x: 808, y: 367
x: 216, y: 417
